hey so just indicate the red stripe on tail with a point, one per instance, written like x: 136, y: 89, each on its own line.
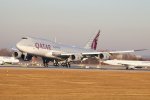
x: 94, y: 43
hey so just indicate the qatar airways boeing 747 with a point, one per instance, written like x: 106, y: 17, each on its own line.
x: 57, y: 53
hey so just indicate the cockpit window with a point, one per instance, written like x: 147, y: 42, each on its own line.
x: 24, y: 38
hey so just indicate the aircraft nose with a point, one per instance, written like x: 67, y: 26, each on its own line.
x: 18, y: 45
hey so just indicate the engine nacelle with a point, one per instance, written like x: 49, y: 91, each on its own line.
x: 104, y: 56
x: 17, y: 54
x: 76, y: 57
x: 24, y: 56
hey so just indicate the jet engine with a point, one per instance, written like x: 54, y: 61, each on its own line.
x: 76, y: 57
x: 24, y: 56
x: 104, y: 56
x: 17, y: 54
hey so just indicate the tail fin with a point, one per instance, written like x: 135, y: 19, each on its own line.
x: 92, y: 43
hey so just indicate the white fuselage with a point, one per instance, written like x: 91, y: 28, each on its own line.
x: 47, y: 48
x: 4, y: 59
x: 128, y: 62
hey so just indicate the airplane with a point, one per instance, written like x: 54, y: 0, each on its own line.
x: 9, y: 60
x: 60, y: 54
x: 129, y: 64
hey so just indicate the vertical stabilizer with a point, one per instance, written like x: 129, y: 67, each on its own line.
x: 92, y: 43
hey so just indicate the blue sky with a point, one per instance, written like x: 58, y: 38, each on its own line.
x: 124, y: 24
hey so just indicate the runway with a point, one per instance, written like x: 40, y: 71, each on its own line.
x: 38, y: 83
x: 88, y: 67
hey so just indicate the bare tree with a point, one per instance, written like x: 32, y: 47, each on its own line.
x: 5, y: 52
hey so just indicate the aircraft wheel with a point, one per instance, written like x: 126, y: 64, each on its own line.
x: 55, y: 64
x: 68, y: 65
x: 63, y: 64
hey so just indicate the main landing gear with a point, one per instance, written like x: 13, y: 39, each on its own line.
x: 63, y: 63
x: 67, y: 64
x: 45, y: 62
x: 56, y: 63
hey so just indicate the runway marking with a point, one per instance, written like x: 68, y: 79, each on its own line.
x: 79, y: 82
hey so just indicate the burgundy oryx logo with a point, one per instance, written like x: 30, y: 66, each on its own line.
x: 94, y: 43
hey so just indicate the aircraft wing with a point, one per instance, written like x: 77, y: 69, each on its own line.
x: 14, y: 49
x: 128, y: 51
x: 110, y: 52
x: 68, y: 54
x: 96, y: 52
x: 84, y: 53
